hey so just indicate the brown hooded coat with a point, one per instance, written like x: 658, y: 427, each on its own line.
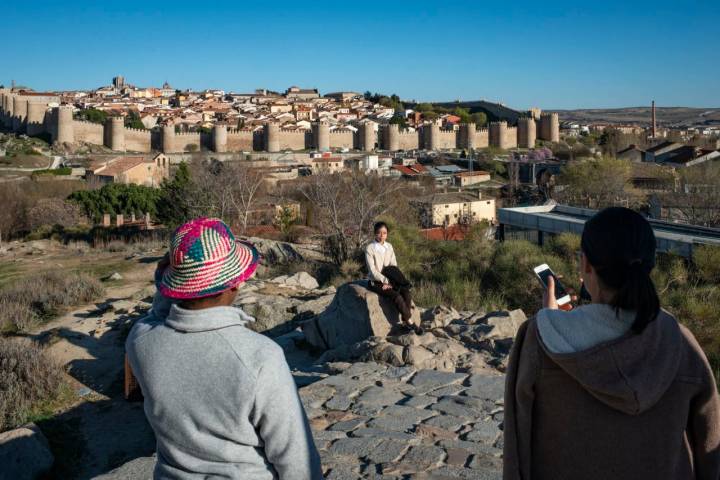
x: 638, y: 407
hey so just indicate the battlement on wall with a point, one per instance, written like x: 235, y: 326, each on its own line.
x: 239, y: 131
x: 341, y: 130
x: 137, y: 130
x: 292, y: 130
x: 84, y: 123
x: 187, y: 134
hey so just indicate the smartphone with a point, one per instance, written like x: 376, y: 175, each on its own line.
x: 544, y: 272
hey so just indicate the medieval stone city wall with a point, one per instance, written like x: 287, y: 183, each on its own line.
x: 137, y: 140
x: 294, y: 139
x: 342, y: 138
x: 408, y: 140
x: 239, y: 140
x: 447, y: 140
x: 34, y: 115
x: 186, y: 142
x: 482, y: 138
x: 88, y: 132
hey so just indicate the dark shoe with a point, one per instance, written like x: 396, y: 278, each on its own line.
x: 418, y: 330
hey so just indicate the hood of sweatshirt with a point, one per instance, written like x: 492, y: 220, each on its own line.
x: 595, y: 346
x: 205, y: 319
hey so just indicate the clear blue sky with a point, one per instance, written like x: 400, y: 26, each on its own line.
x: 522, y: 53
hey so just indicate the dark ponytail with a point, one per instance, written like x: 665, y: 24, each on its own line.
x: 620, y: 245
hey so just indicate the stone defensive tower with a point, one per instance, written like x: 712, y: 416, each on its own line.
x: 168, y: 138
x: 8, y: 109
x: 467, y: 135
x: 116, y: 134
x: 272, y: 137
x: 526, y: 132
x: 65, y: 128
x: 220, y: 137
x: 391, y: 138
x: 367, y: 137
x: 19, y: 113
x: 36, y: 117
x: 498, y: 134
x: 432, y: 136
x: 550, y: 127
x: 321, y: 136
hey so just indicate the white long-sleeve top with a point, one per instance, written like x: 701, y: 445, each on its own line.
x: 377, y: 257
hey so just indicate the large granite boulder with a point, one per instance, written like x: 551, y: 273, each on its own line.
x: 139, y: 469
x: 24, y: 454
x: 275, y: 252
x: 354, y: 315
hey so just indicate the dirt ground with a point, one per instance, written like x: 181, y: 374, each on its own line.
x: 100, y: 430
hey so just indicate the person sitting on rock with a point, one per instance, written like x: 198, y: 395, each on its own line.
x: 616, y: 389
x: 384, y: 276
x: 219, y: 397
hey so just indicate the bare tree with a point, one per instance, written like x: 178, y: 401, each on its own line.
x: 344, y: 207
x: 54, y: 211
x: 596, y: 183
x: 697, y: 199
x: 226, y: 190
x: 248, y: 186
x: 14, y: 211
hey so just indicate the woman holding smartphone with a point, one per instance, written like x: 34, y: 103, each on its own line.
x: 616, y: 389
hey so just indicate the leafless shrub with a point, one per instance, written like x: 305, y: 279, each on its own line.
x: 29, y: 379
x: 52, y: 211
x: 47, y: 293
x: 15, y: 316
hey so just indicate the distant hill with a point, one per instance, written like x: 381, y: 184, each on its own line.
x: 666, y: 116
x: 494, y: 111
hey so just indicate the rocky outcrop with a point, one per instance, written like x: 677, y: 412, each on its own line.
x: 275, y: 252
x: 24, y: 454
x: 281, y: 304
x: 358, y: 326
x: 354, y: 315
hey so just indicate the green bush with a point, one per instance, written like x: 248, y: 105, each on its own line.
x: 30, y: 382
x: 53, y: 171
x: 565, y: 245
x: 707, y: 263
x: 117, y: 198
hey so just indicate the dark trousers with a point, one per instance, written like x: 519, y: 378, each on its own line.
x: 400, y: 297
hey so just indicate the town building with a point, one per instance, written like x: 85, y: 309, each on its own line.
x: 452, y: 208
x: 137, y: 170
x: 464, y: 179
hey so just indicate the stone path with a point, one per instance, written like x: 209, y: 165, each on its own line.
x: 382, y: 422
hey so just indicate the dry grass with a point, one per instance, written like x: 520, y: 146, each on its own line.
x: 30, y: 382
x: 43, y: 296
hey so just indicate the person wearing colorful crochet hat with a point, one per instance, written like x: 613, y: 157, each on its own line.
x: 219, y: 397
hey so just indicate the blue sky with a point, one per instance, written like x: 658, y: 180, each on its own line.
x: 521, y: 53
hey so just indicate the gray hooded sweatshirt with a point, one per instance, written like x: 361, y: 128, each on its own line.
x: 220, y: 398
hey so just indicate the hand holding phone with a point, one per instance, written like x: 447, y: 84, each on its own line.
x: 555, y: 295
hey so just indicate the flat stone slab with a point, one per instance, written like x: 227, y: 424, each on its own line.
x: 427, y: 380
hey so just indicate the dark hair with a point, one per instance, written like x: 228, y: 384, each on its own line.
x: 620, y: 245
x: 380, y: 225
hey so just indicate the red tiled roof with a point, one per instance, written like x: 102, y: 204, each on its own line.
x: 411, y: 171
x: 452, y: 232
x: 117, y: 166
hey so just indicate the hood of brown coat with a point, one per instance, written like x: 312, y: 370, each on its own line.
x: 632, y: 372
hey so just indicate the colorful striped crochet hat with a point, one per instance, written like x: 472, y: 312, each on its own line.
x: 205, y: 259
